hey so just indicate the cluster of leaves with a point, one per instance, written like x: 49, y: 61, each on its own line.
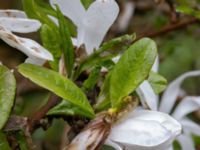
x: 189, y: 7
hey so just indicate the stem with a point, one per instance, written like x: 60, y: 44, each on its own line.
x: 169, y: 28
x: 34, y: 122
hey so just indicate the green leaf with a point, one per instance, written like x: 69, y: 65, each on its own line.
x: 157, y: 82
x: 91, y: 62
x: 92, y: 79
x: 4, y: 145
x: 117, y: 44
x: 45, y: 7
x: 66, y: 42
x: 57, y: 84
x: 68, y: 109
x: 113, y: 47
x: 33, y: 11
x: 52, y: 43
x: 86, y: 3
x: 188, y: 10
x: 106, y: 147
x: 103, y: 101
x: 132, y: 69
x: 7, y: 94
x: 48, y: 10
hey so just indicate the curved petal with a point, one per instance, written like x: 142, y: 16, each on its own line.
x: 114, y: 145
x: 126, y: 15
x: 31, y: 48
x: 155, y: 66
x: 99, y: 17
x: 20, y: 25
x: 167, y: 121
x: 147, y: 95
x: 170, y: 148
x: 146, y: 129
x: 190, y: 126
x: 116, y: 59
x: 170, y: 95
x: 187, y: 105
x: 55, y: 20
x: 12, y: 13
x: 35, y: 61
x: 186, y: 142
x: 73, y: 9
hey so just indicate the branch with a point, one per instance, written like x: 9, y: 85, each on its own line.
x: 35, y: 121
x: 169, y: 28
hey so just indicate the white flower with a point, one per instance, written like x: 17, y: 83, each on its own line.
x: 187, y: 105
x: 17, y: 21
x: 144, y: 130
x: 146, y: 93
x: 93, y: 23
x: 128, y: 9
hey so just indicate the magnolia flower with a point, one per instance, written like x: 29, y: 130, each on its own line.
x: 128, y: 9
x: 187, y: 105
x: 93, y: 23
x: 145, y: 130
x: 17, y: 21
x: 148, y: 96
x: 140, y: 130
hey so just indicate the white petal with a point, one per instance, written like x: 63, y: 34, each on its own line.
x: 147, y: 95
x: 74, y: 41
x: 12, y: 13
x: 125, y: 17
x: 116, y: 59
x: 170, y: 95
x: 187, y: 105
x: 99, y: 17
x: 35, y: 61
x: 137, y: 134
x: 73, y: 9
x: 186, y: 142
x: 31, y: 48
x: 114, y: 145
x: 190, y: 127
x: 20, y: 25
x: 167, y: 121
x: 155, y: 66
x: 55, y: 20
x: 170, y: 148
x: 144, y: 129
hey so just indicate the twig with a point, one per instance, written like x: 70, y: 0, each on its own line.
x: 34, y: 122
x: 169, y: 28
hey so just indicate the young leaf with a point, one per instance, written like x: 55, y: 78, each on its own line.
x: 103, y: 101
x: 188, y: 10
x: 113, y: 46
x: 58, y: 84
x: 68, y: 109
x: 133, y: 68
x: 7, y: 94
x: 66, y: 42
x: 45, y: 7
x: 157, y: 82
x: 51, y: 42
x: 33, y: 11
x: 92, y: 79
